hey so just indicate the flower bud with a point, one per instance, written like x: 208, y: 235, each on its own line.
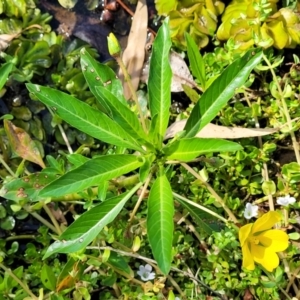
x: 114, y: 47
x: 136, y: 244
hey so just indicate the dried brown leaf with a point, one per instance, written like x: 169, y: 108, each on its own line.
x: 22, y: 144
x: 216, y: 131
x: 134, y: 54
x: 181, y: 73
x: 5, y: 39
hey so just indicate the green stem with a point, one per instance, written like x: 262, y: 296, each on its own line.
x: 141, y: 197
x: 212, y: 191
x: 286, y: 111
x: 63, y: 134
x: 65, y: 138
x: 128, y: 80
x: 54, y: 221
x: 265, y: 172
x: 292, y: 278
x: 152, y: 261
x: 288, y: 272
x: 6, y: 166
x: 20, y: 237
x: 200, y: 207
x: 12, y: 275
x: 286, y: 217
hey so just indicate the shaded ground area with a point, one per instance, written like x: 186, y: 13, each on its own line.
x: 93, y: 26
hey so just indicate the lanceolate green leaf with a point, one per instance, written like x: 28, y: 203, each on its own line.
x: 83, y: 117
x: 188, y: 149
x: 92, y: 173
x: 220, y: 91
x: 160, y: 222
x: 196, y: 61
x: 4, y: 72
x: 159, y: 82
x: 84, y: 229
x: 97, y: 74
x: 122, y: 114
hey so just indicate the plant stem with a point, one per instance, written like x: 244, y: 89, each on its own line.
x: 200, y: 207
x: 133, y: 93
x: 294, y: 275
x: 54, y: 221
x: 286, y: 111
x: 176, y: 286
x: 265, y: 172
x: 286, y: 217
x: 141, y: 197
x: 288, y: 273
x: 65, y: 138
x: 20, y: 237
x: 6, y: 166
x: 41, y: 219
x: 25, y: 288
x: 152, y: 261
x: 63, y: 134
x: 190, y: 226
x: 212, y: 191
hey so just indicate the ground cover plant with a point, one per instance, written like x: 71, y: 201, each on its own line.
x: 132, y: 200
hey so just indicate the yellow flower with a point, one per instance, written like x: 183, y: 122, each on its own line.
x: 260, y: 242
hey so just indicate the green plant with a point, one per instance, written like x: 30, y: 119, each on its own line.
x: 117, y: 123
x: 247, y: 23
x: 198, y: 18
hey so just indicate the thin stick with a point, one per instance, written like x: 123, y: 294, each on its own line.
x: 65, y: 138
x: 12, y: 275
x: 63, y: 134
x: 286, y: 111
x: 288, y: 273
x: 212, y: 191
x: 54, y: 221
x: 141, y: 197
x: 152, y: 261
x: 41, y: 219
x: 20, y: 237
x: 200, y: 207
x: 292, y: 279
x: 176, y: 286
x: 6, y: 166
x: 265, y: 172
x: 133, y: 93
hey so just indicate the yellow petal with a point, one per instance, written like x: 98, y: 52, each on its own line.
x: 248, y: 261
x: 278, y: 32
x: 267, y: 221
x: 264, y: 256
x: 276, y: 240
x: 244, y: 233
